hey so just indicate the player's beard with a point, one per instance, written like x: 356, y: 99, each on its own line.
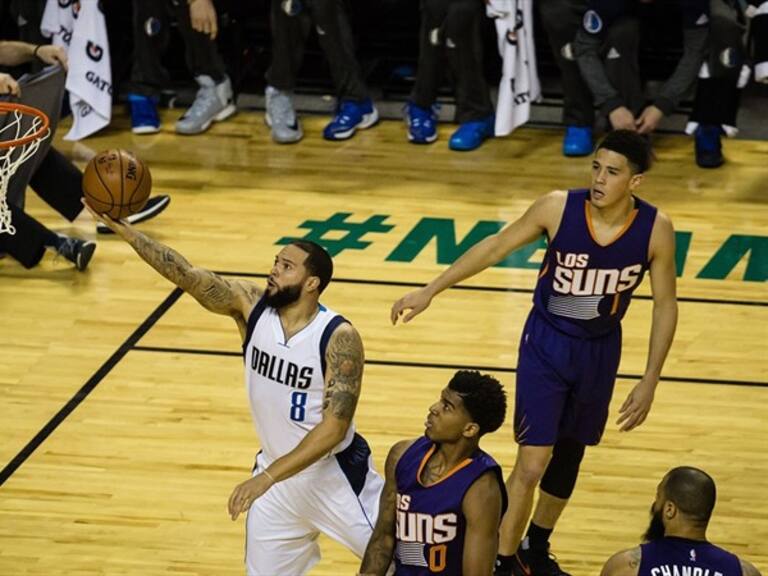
x: 656, y: 528
x: 283, y: 296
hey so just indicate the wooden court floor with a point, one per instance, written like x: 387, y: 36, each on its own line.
x: 124, y: 424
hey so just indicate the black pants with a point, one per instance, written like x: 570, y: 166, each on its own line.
x: 289, y: 35
x: 150, y: 38
x: 450, y: 29
x: 561, y: 20
x: 59, y: 183
x: 717, y: 98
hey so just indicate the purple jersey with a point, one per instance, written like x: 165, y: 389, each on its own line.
x: 584, y: 287
x: 682, y: 557
x: 430, y: 525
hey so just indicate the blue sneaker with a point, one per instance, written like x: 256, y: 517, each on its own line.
x: 709, y: 149
x: 422, y: 123
x: 351, y: 115
x: 577, y: 141
x: 471, y: 135
x: 144, y: 118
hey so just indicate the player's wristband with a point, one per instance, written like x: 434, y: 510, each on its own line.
x: 34, y: 52
x: 268, y: 475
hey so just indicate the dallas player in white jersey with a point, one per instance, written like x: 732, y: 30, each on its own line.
x: 303, y: 371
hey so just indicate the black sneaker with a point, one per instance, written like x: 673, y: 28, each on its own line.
x: 532, y: 562
x: 709, y: 148
x: 77, y: 251
x: 153, y: 207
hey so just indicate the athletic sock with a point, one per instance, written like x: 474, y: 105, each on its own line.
x: 53, y: 240
x: 504, y: 564
x: 538, y: 537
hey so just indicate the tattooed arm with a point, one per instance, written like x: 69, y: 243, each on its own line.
x: 381, y: 546
x: 624, y: 563
x: 233, y: 298
x: 344, y: 359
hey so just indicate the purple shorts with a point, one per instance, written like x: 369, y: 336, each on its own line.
x: 564, y: 384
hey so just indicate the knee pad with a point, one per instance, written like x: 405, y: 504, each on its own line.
x: 559, y: 480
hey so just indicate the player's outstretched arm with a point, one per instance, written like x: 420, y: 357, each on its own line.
x: 233, y: 298
x: 624, y: 563
x: 482, y: 509
x: 543, y: 216
x: 344, y: 373
x: 381, y: 546
x: 664, y: 288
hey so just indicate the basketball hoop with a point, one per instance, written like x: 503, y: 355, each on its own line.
x: 22, y: 130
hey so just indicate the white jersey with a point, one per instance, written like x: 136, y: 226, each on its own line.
x: 285, y: 379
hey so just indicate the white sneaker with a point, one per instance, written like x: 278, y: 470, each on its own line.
x: 213, y: 103
x: 281, y: 117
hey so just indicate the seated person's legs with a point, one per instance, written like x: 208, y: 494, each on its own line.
x: 290, y: 26
x: 148, y: 75
x: 355, y: 110
x: 717, y: 96
x: 561, y: 20
x: 621, y: 53
x: 421, y: 111
x: 464, y: 48
x: 215, y: 99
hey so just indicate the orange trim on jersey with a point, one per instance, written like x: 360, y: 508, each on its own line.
x: 466, y: 462
x: 627, y: 224
x: 615, y: 307
x: 544, y: 271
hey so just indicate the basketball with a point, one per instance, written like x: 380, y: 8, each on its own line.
x: 116, y: 183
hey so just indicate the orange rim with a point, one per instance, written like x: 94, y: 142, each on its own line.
x: 29, y: 111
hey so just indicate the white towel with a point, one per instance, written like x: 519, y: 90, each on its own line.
x: 519, y: 84
x: 81, y: 29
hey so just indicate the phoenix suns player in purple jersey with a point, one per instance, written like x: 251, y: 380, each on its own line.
x: 601, y: 241
x: 676, y: 540
x: 443, y: 497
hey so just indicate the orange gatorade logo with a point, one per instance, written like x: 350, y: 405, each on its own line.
x: 572, y: 276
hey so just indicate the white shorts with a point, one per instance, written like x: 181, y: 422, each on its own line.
x: 338, y: 496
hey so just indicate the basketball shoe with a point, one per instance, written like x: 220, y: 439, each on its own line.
x: 144, y: 117
x: 152, y: 208
x: 534, y: 562
x: 77, y: 251
x: 351, y: 115
x: 213, y: 103
x: 709, y: 148
x: 281, y: 117
x: 577, y: 141
x: 470, y: 135
x: 422, y: 123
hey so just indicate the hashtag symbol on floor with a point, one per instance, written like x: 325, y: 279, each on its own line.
x: 353, y: 232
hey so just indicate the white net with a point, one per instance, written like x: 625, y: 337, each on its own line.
x: 15, y: 125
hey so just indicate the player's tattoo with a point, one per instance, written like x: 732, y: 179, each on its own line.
x: 378, y: 553
x: 345, y: 371
x: 433, y: 471
x: 381, y: 546
x: 217, y: 294
x: 634, y: 558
